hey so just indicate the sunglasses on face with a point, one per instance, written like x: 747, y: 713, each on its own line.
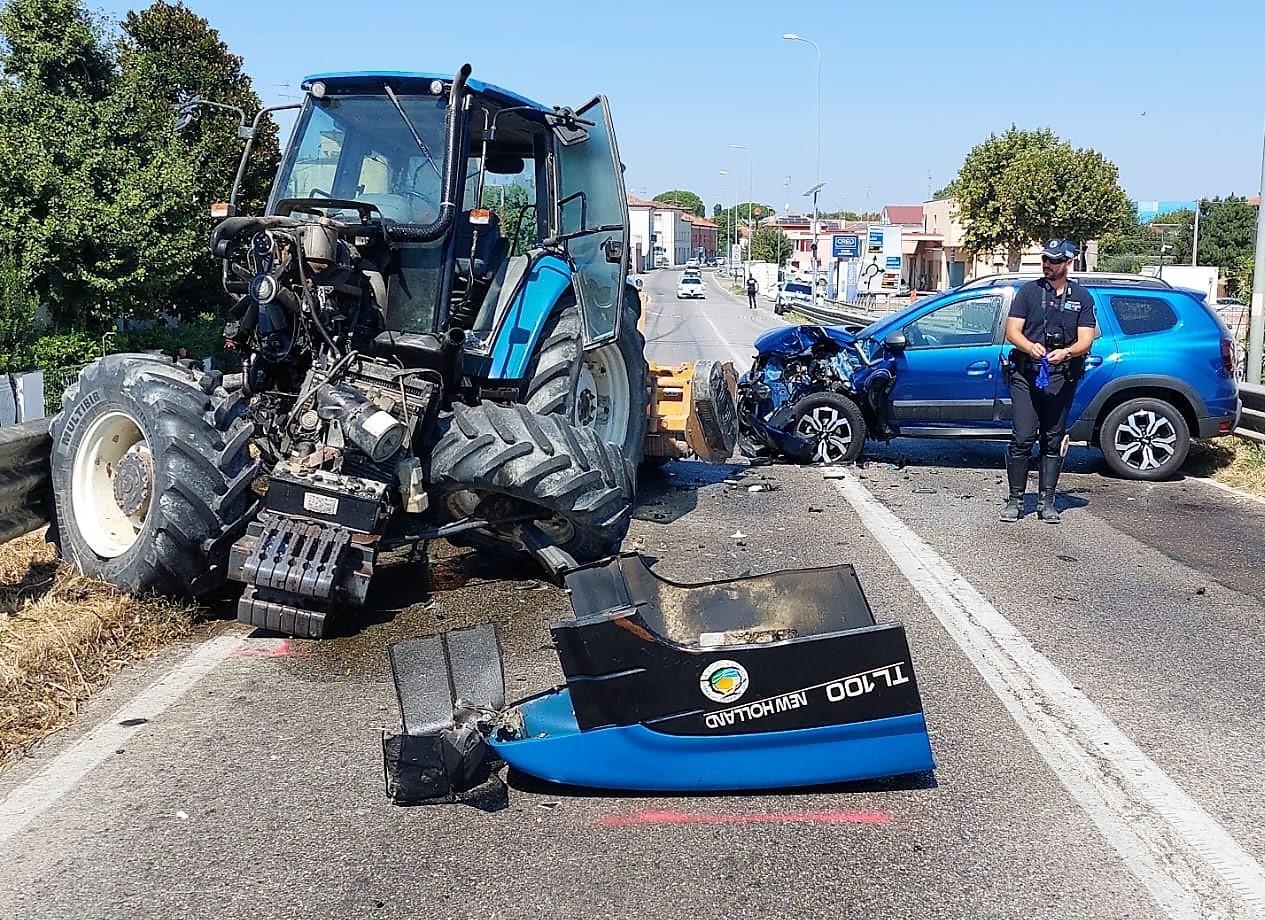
x: 1053, y: 261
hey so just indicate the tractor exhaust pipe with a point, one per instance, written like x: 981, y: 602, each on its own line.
x: 427, y: 233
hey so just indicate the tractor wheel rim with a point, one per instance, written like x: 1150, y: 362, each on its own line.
x: 111, y: 510
x: 602, y: 401
x: 1145, y: 440
x: 830, y: 429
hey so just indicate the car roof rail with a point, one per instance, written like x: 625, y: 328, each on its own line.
x: 1088, y: 279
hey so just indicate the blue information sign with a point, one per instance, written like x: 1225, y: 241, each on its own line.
x: 846, y: 246
x: 893, y: 261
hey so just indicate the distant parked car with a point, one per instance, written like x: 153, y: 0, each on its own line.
x: 693, y: 263
x: 790, y: 294
x: 1161, y: 371
x: 690, y: 286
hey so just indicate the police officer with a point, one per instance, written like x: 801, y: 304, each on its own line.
x: 752, y: 288
x: 1051, y: 326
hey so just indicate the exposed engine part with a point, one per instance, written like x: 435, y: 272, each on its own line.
x: 412, y: 478
x: 376, y: 432
x: 352, y: 501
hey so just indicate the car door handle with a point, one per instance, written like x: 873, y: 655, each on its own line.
x: 976, y: 368
x: 1093, y: 360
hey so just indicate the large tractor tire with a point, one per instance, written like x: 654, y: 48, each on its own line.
x: 497, y: 462
x: 605, y: 389
x: 151, y: 473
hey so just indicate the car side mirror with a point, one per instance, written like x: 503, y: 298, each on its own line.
x: 896, y: 341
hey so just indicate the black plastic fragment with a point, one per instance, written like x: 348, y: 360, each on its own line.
x: 447, y: 685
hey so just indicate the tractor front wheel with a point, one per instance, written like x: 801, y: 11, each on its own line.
x: 504, y: 462
x: 150, y: 473
x: 605, y: 389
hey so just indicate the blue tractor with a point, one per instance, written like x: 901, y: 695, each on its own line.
x: 438, y: 339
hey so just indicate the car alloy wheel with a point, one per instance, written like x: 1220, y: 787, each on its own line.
x: 1145, y: 440
x: 830, y: 430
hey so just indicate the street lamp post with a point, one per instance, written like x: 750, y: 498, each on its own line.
x: 750, y: 194
x: 1163, y: 229
x: 792, y: 37
x: 729, y: 222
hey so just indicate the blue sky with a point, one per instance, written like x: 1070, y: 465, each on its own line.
x: 1172, y: 92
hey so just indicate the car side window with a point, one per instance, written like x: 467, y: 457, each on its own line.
x: 972, y: 321
x: 1140, y: 315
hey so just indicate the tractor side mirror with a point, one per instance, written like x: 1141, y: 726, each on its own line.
x: 896, y: 342
x: 614, y: 250
x: 186, y: 110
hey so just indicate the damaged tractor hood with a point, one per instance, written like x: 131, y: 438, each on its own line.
x: 759, y: 682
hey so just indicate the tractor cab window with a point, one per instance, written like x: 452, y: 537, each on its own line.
x: 359, y: 148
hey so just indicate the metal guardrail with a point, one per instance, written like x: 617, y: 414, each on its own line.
x: 25, y: 489
x: 834, y: 314
x: 1252, y: 421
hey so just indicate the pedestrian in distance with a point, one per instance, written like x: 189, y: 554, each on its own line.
x: 752, y: 290
x: 1051, y: 326
x: 182, y: 353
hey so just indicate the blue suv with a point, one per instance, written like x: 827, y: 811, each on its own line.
x: 1160, y: 372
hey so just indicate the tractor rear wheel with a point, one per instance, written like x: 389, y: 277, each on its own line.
x: 497, y: 462
x: 605, y: 389
x: 151, y: 473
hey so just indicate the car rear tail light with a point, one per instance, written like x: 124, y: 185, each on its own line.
x: 1227, y: 356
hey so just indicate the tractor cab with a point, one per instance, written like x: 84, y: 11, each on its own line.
x: 533, y: 191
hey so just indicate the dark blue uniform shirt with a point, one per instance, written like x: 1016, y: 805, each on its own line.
x: 1043, y: 311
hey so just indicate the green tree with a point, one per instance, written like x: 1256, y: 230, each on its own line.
x: 1227, y: 231
x: 1178, y: 234
x: 106, y: 209
x: 684, y: 199
x: 513, y: 204
x: 771, y: 245
x: 165, y: 50
x: 18, y: 307
x: 1022, y: 186
x: 1240, y: 276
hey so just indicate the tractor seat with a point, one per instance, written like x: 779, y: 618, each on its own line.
x: 490, y: 248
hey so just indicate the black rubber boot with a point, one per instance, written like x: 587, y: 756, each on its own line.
x: 1017, y: 474
x: 1049, y: 479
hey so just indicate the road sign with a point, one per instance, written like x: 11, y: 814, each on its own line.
x: 846, y: 246
x: 893, y: 262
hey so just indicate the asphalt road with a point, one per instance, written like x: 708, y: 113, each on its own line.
x: 1092, y: 692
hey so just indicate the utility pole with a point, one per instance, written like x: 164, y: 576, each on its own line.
x: 1256, y: 324
x: 1194, y: 249
x: 750, y: 197
x: 791, y: 36
x: 814, y: 191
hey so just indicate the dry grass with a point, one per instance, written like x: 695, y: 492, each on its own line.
x: 1233, y: 461
x: 62, y: 636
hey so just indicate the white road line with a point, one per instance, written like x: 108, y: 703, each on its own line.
x: 741, y: 361
x: 35, y: 796
x: 1185, y: 859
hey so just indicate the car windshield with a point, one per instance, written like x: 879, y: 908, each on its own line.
x: 359, y: 148
x: 798, y: 289
x: 690, y: 281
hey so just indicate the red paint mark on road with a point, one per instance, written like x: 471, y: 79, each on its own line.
x: 279, y: 648
x: 641, y: 818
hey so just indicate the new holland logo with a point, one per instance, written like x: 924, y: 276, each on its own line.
x: 723, y: 681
